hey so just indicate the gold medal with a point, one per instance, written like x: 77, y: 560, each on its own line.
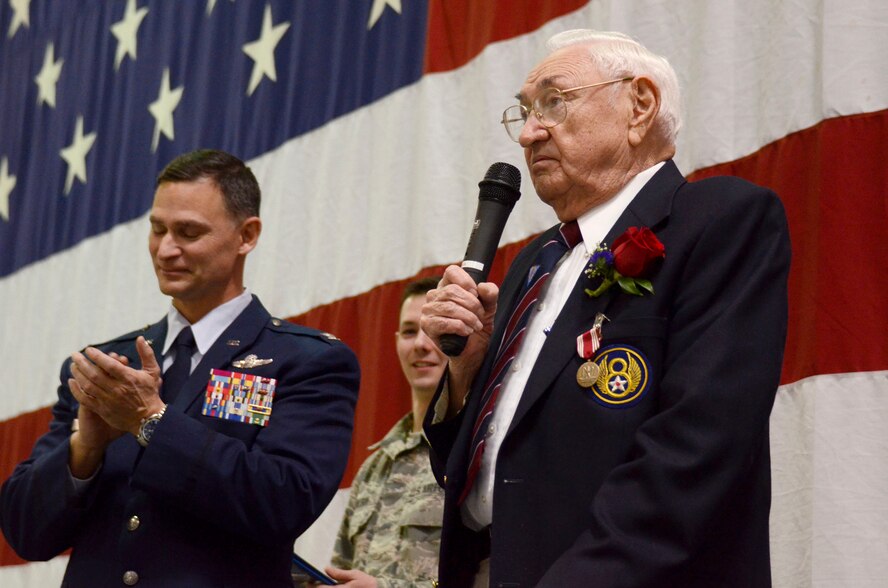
x: 587, y: 375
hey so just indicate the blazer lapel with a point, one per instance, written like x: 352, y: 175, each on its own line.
x: 649, y: 208
x: 245, y: 330
x: 652, y: 204
x: 512, y: 289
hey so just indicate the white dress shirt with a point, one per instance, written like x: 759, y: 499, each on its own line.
x: 477, y: 510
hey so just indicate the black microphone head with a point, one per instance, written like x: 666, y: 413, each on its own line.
x: 502, y: 183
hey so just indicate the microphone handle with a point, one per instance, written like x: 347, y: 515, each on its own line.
x: 498, y: 194
x: 453, y: 345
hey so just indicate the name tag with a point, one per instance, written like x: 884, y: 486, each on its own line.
x: 243, y: 398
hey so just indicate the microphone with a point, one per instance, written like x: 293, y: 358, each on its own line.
x: 499, y: 191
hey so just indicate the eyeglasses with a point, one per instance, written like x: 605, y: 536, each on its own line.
x: 550, y: 108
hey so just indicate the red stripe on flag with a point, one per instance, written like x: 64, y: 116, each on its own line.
x: 833, y: 181
x: 460, y: 29
x: 367, y: 323
x: 17, y: 437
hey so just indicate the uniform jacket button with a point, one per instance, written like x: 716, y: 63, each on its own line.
x: 133, y: 523
x: 130, y: 578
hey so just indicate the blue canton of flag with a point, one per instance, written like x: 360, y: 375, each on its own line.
x: 98, y: 96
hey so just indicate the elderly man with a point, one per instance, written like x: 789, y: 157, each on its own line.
x: 194, y: 451
x: 607, y: 423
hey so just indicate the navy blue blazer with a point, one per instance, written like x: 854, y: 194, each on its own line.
x: 673, y: 489
x: 209, y: 502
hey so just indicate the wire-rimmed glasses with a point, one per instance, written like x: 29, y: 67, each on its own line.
x: 550, y: 108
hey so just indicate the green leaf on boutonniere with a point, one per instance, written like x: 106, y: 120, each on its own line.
x: 646, y: 284
x: 628, y: 286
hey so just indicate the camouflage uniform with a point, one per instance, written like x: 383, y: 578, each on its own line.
x: 392, y: 524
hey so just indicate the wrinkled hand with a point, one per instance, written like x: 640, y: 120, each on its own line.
x: 351, y: 578
x: 120, y: 395
x: 461, y: 307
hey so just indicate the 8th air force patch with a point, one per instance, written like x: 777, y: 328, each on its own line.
x: 622, y: 376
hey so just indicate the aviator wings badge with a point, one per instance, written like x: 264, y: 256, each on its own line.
x: 250, y: 361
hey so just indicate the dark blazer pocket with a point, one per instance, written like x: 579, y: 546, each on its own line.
x: 633, y: 328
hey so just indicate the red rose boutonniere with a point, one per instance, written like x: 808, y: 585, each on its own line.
x: 628, y: 263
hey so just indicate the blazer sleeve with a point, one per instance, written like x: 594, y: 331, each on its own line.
x: 722, y: 363
x: 441, y: 434
x: 40, y: 509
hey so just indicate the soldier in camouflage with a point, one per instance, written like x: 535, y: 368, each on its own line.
x: 391, y: 532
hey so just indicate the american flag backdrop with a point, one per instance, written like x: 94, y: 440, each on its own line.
x: 369, y: 124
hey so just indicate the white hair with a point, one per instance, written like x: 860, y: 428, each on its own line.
x: 619, y: 55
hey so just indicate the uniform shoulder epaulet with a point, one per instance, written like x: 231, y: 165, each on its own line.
x: 285, y: 326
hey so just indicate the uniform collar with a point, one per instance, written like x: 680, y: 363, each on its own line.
x: 400, y: 438
x: 208, y: 328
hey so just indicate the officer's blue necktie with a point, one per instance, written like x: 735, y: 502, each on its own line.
x: 177, y: 374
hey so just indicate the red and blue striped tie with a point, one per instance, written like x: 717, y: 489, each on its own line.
x: 551, y: 252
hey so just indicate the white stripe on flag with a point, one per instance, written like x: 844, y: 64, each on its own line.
x: 829, y: 519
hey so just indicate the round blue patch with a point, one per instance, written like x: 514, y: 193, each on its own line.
x: 623, y: 376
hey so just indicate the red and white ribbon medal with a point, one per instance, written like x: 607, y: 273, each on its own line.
x: 587, y: 344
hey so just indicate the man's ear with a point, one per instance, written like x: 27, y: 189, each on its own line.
x: 646, y: 97
x: 249, y: 230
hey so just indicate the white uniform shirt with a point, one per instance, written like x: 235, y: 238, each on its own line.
x: 206, y: 330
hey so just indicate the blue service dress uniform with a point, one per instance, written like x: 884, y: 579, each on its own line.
x: 209, y: 502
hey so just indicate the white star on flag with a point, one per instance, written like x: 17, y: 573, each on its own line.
x: 377, y: 9
x: 211, y: 4
x: 21, y: 15
x: 126, y: 30
x: 7, y: 183
x: 261, y: 51
x: 75, y: 155
x: 48, y: 77
x: 162, y: 109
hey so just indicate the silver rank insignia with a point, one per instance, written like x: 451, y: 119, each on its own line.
x: 250, y: 361
x: 622, y: 376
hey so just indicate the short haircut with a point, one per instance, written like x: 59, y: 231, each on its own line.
x: 240, y: 190
x: 420, y: 286
x: 619, y: 55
